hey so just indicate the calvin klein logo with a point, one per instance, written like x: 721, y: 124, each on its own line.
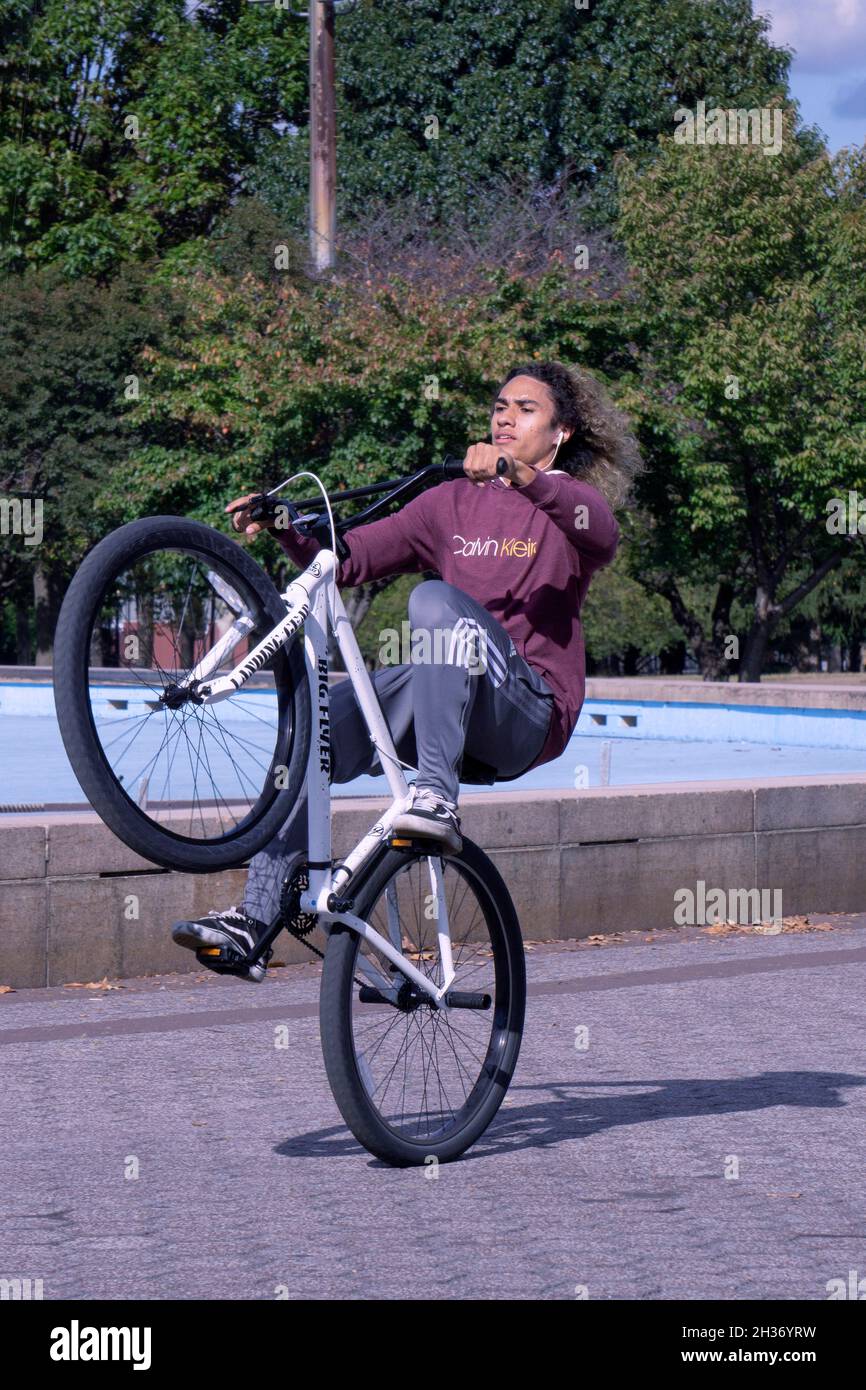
x: 508, y: 545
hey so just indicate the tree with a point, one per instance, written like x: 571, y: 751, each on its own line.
x: 750, y: 293
x: 68, y: 372
x: 622, y: 622
x: 125, y: 125
x: 438, y: 98
x: 356, y: 380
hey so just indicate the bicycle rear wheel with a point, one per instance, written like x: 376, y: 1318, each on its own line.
x: 188, y: 785
x: 414, y: 1083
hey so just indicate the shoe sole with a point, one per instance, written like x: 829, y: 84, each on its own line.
x: 194, y: 937
x: 428, y: 830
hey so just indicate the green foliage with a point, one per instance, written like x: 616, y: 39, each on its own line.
x: 68, y: 356
x: 620, y: 613
x: 387, y: 612
x: 534, y: 90
x: 744, y: 266
x: 357, y: 380
x: 125, y: 126
x: 750, y: 292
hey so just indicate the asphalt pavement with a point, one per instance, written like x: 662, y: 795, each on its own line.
x: 704, y: 1139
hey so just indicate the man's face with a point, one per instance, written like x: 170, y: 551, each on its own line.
x: 522, y: 421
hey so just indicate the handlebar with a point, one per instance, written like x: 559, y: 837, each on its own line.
x: 264, y: 506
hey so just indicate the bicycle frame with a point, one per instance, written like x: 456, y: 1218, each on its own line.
x: 306, y: 600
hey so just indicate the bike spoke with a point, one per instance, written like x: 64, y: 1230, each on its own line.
x: 206, y: 758
x: 421, y: 1064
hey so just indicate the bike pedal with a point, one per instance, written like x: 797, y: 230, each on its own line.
x: 223, y: 961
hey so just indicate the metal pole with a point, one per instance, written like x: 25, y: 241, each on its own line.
x: 323, y: 135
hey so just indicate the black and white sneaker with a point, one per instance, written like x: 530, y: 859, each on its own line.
x: 233, y: 933
x: 428, y: 815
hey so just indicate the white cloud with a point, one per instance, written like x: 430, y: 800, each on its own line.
x: 827, y: 35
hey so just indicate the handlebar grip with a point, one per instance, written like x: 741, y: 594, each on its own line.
x: 264, y: 508
x: 260, y: 507
x: 453, y: 467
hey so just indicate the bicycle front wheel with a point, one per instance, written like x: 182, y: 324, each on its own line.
x: 415, y: 1083
x: 188, y: 785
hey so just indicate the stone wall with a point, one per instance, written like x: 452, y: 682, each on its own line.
x: 76, y: 904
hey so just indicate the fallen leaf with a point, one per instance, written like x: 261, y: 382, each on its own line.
x: 93, y: 984
x: 802, y: 923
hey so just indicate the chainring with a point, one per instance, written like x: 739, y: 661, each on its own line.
x: 297, y: 923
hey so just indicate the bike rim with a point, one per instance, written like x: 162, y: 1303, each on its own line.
x: 201, y: 773
x: 427, y: 1072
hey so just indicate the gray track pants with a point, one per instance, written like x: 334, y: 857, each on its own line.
x: 465, y: 691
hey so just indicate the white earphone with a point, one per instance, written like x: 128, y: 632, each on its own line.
x: 555, y: 452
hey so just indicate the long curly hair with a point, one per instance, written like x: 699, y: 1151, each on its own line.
x: 602, y: 449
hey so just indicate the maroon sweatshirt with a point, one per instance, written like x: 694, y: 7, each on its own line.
x: 526, y: 554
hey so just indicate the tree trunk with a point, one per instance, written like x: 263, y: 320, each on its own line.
x: 672, y: 659
x: 752, y: 660
x: 46, y: 601
x: 22, y: 635
x: 708, y: 650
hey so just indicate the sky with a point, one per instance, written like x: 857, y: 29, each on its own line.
x: 828, y: 73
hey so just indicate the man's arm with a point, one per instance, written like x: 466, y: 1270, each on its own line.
x: 580, y: 512
x: 400, y: 544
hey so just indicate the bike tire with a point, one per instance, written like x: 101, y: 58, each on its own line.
x: 104, y: 791
x: 339, y: 984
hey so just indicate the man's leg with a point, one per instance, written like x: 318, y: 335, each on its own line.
x: 473, y: 691
x: 352, y: 754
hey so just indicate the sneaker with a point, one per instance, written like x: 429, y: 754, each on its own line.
x: 233, y: 932
x: 427, y: 814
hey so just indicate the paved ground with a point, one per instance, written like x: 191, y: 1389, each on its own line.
x: 606, y: 1170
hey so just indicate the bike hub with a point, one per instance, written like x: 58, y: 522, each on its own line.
x: 174, y: 696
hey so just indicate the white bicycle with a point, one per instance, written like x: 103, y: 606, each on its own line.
x: 192, y: 712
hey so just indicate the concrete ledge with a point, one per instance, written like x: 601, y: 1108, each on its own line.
x: 23, y: 849
x: 845, y: 693
x: 576, y: 863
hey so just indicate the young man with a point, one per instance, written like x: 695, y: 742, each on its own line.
x: 505, y: 680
